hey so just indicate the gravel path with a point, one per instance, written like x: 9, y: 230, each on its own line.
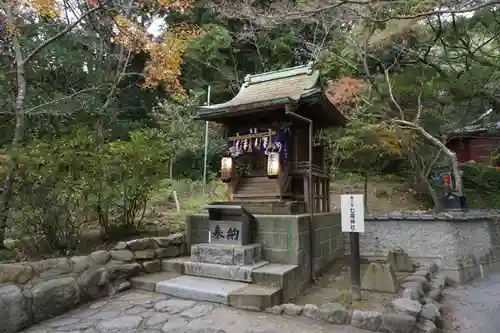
x: 476, y: 307
x: 141, y: 312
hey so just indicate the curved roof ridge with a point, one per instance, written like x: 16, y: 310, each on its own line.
x: 279, y: 74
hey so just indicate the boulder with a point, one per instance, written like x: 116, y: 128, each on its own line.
x: 311, y: 311
x: 81, y: 263
x: 122, y: 271
x: 176, y: 239
x: 168, y: 252
x: 411, y: 294
x: 141, y: 244
x: 145, y: 254
x: 416, y: 288
x: 407, y: 306
x: 163, y: 241
x: 100, y: 257
x: 50, y: 268
x: 438, y: 306
x: 334, y: 313
x: 123, y: 286
x: 380, y: 278
x: 439, y: 282
x: 397, y: 322
x: 122, y: 255
x: 276, y: 309
x: 431, y: 312
x: 152, y: 266
x: 54, y: 297
x: 366, y: 320
x: 400, y: 261
x: 424, y: 273
x: 420, y: 279
x: 291, y: 309
x: 17, y: 273
x: 425, y: 326
x: 93, y: 284
x: 13, y: 316
x: 436, y: 294
x: 120, y: 246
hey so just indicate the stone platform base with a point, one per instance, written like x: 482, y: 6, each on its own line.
x: 236, y: 294
x: 226, y: 254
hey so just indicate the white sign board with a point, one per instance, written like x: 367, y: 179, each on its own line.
x: 353, y: 212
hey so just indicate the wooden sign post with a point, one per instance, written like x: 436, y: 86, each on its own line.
x: 353, y: 222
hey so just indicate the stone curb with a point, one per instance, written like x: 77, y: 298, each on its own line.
x: 416, y: 311
x: 32, y: 292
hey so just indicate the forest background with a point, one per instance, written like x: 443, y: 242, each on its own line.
x: 97, y: 100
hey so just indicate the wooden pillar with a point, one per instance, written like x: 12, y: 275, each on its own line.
x: 328, y: 203
x: 306, y: 192
x: 323, y: 195
x: 318, y: 194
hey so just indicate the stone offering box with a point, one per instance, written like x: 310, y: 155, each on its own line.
x: 229, y: 224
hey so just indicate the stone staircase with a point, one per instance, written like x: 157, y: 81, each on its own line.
x: 242, y: 280
x: 233, y: 274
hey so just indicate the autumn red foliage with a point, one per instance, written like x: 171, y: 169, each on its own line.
x: 344, y: 92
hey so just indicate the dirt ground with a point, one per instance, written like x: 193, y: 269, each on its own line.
x: 335, y: 286
x: 384, y: 196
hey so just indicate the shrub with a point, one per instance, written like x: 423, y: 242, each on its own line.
x: 71, y: 183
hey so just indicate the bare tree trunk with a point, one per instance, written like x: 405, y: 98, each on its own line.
x: 441, y: 146
x: 19, y: 108
x: 18, y: 133
x: 366, y: 190
x: 171, y: 169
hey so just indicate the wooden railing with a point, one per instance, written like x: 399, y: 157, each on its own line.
x: 235, y: 180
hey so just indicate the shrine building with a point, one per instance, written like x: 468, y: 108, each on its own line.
x: 275, y: 232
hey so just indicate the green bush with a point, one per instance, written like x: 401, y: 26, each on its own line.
x: 76, y: 181
x: 483, y: 180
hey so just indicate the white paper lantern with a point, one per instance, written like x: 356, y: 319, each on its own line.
x: 273, y: 164
x: 226, y: 169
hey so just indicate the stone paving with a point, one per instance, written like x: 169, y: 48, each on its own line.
x: 141, y: 312
x: 476, y: 307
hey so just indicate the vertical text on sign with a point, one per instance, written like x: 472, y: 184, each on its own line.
x: 353, y: 213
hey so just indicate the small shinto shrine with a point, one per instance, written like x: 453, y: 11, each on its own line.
x: 269, y: 125
x: 275, y: 232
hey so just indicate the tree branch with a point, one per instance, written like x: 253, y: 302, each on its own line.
x: 59, y: 35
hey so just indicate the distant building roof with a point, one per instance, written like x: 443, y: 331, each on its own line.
x: 475, y: 128
x: 272, y: 89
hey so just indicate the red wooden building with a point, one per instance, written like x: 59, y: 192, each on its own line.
x: 476, y: 143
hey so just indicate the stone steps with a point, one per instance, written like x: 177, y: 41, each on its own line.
x: 270, y: 275
x: 224, y: 272
x: 185, y: 265
x: 199, y: 288
x: 148, y: 282
x: 236, y: 294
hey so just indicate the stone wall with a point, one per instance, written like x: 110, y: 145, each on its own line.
x: 457, y: 242
x: 32, y: 292
x: 285, y: 239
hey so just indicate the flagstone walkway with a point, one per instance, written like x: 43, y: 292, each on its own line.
x: 141, y: 312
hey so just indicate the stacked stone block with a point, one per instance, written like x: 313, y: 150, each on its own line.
x: 32, y: 292
x: 224, y: 261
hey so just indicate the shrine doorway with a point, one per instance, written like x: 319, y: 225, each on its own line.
x: 258, y: 166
